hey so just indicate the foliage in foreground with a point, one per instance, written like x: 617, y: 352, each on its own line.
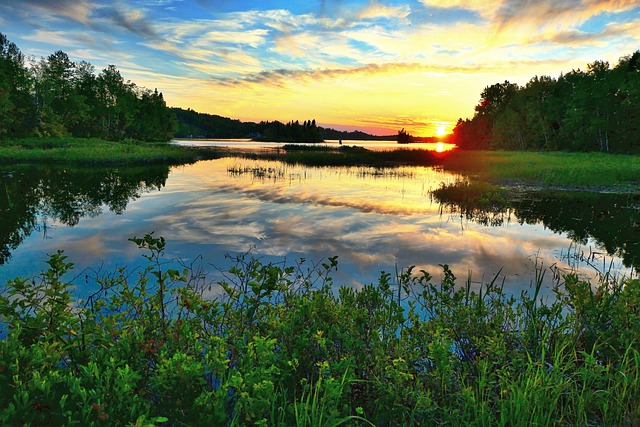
x: 283, y: 345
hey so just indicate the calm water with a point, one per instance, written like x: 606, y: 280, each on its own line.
x: 374, y: 220
x: 248, y: 144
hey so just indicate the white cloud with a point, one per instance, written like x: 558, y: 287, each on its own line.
x: 484, y: 7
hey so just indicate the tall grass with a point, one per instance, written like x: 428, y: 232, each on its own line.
x: 323, y: 155
x: 94, y: 151
x: 550, y: 168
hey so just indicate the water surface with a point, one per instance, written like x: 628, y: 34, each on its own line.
x: 373, y: 219
x: 248, y: 144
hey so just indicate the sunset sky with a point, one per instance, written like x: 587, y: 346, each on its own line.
x: 377, y: 66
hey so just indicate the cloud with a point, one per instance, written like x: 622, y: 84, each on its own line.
x: 376, y: 10
x: 426, y: 125
x: 542, y: 14
x: 93, y: 14
x: 165, y: 3
x: 252, y: 38
x: 483, y: 7
x: 521, y: 23
x: 60, y: 38
x: 133, y: 21
x: 574, y: 37
x: 77, y: 10
x: 279, y: 76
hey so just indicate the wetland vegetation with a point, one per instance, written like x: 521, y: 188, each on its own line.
x: 94, y: 151
x: 282, y: 345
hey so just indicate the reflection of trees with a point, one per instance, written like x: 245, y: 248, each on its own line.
x: 66, y: 195
x: 610, y: 219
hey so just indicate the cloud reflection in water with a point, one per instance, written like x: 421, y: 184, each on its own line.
x: 372, y: 220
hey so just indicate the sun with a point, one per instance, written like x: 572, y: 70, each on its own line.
x: 441, y: 129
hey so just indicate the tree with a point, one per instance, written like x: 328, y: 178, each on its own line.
x: 153, y: 121
x: 54, y: 90
x: 16, y: 108
x: 117, y: 103
x: 85, y: 101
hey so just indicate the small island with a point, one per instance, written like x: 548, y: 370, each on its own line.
x: 404, y: 137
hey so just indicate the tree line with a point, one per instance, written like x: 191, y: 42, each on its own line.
x: 584, y: 110
x: 55, y: 96
x: 192, y: 124
x: 290, y: 132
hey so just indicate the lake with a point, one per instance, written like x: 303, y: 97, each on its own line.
x: 373, y: 219
x: 248, y: 144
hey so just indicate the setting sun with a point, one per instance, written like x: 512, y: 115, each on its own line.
x: 441, y: 129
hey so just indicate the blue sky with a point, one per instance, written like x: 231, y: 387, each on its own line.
x: 366, y: 64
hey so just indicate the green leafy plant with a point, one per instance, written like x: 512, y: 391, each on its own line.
x: 285, y: 345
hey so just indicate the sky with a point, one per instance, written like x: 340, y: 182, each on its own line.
x: 372, y: 65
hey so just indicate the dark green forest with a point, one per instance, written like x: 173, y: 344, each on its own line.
x: 55, y: 96
x: 192, y: 124
x: 592, y: 110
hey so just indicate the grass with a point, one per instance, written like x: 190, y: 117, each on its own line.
x: 82, y: 151
x: 548, y: 168
x: 323, y: 155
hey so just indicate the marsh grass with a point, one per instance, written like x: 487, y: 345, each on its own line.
x: 82, y: 151
x: 471, y: 194
x: 548, y: 168
x: 285, y: 345
x: 324, y: 155
x: 259, y: 172
x: 285, y: 171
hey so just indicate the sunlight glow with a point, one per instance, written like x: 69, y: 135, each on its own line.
x: 418, y: 65
x: 440, y: 146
